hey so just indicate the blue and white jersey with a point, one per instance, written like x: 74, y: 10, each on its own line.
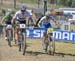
x: 46, y: 22
x: 43, y: 20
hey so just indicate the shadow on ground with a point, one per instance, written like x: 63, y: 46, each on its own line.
x: 55, y: 54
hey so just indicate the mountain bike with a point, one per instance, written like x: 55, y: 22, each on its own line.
x: 9, y: 34
x: 51, y: 41
x: 48, y: 42
x: 22, y: 38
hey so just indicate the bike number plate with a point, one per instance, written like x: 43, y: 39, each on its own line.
x: 22, y: 26
x: 50, y: 30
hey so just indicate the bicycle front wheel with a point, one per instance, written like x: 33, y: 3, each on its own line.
x: 9, y: 37
x: 24, y: 43
x: 52, y: 47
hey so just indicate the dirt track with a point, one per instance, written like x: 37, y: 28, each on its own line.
x: 34, y: 53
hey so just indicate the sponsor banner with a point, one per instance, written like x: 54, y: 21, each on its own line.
x: 64, y: 35
x: 34, y: 33
x: 57, y: 34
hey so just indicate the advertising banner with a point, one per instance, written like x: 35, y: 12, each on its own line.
x: 34, y: 33
x: 57, y: 34
x: 64, y: 35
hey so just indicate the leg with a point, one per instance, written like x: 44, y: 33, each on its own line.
x: 16, y: 33
x: 50, y: 40
x: 45, y: 44
x: 51, y: 45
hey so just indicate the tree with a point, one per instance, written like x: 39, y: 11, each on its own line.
x: 38, y: 3
x: 45, y: 6
x: 73, y: 3
x: 52, y: 1
x: 14, y: 3
x: 1, y: 2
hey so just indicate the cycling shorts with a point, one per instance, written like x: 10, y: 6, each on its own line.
x: 20, y: 22
x: 7, y: 22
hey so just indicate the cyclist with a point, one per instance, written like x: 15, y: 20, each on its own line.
x: 7, y: 20
x: 45, y: 23
x: 20, y: 17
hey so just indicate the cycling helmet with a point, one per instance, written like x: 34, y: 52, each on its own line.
x: 8, y: 12
x: 23, y: 7
x: 47, y: 13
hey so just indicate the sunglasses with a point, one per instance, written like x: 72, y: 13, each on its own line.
x: 22, y: 10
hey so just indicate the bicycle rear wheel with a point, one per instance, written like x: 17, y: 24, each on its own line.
x: 9, y: 37
x: 24, y: 42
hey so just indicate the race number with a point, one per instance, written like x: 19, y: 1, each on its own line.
x: 50, y: 30
x: 22, y: 25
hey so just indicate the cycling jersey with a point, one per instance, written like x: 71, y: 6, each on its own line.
x: 46, y: 23
x: 22, y: 17
x: 7, y: 19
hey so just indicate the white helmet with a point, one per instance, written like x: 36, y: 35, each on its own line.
x: 23, y: 7
x: 47, y: 13
x: 8, y: 12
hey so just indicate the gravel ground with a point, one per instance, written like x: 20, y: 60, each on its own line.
x: 34, y: 52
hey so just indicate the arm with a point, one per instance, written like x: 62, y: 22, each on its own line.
x: 53, y: 19
x: 41, y: 20
x: 29, y: 14
x: 39, y: 23
x: 3, y: 19
x: 14, y: 18
x: 30, y: 19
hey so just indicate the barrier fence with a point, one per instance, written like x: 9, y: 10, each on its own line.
x: 60, y: 35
